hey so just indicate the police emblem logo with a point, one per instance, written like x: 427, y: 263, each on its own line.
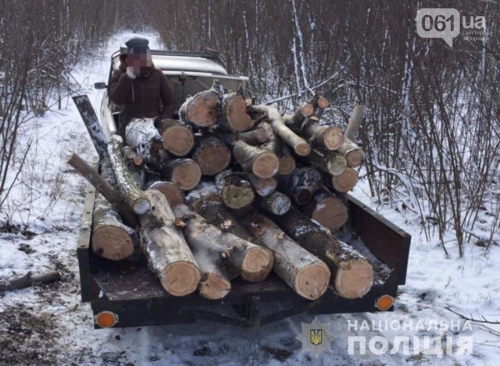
x: 315, y: 337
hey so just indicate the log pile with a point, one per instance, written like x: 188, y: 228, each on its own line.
x: 230, y: 189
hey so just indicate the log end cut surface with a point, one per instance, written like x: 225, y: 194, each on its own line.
x: 302, y: 149
x: 345, y: 181
x: 112, y: 243
x: 204, y: 110
x: 312, y: 281
x: 354, y: 279
x: 257, y: 264
x: 330, y: 213
x: 214, y: 286
x: 173, y: 195
x: 186, y: 175
x: 178, y: 140
x: 213, y: 160
x: 266, y: 165
x: 237, y: 116
x: 333, y: 138
x: 287, y: 165
x: 355, y: 158
x: 180, y: 278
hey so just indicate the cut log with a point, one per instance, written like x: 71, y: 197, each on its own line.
x: 202, y: 194
x: 131, y: 156
x: 178, y: 138
x: 326, y: 209
x: 277, y: 203
x: 255, y: 160
x: 234, y: 111
x: 211, y: 155
x: 352, y: 274
x: 236, y: 192
x: 173, y: 194
x: 330, y: 162
x: 29, y: 280
x: 353, y: 154
x: 354, y: 122
x: 345, y: 181
x: 301, y: 184
x: 296, y: 120
x: 103, y: 187
x: 300, y: 146
x: 287, y: 161
x: 303, y: 272
x: 129, y: 190
x: 263, y: 187
x: 166, y: 249
x: 276, y: 146
x: 201, y: 110
x: 184, y: 173
x: 224, y: 251
x: 143, y: 136
x: 93, y: 126
x: 330, y: 137
x: 111, y: 239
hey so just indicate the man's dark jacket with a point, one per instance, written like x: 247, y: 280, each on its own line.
x: 140, y: 97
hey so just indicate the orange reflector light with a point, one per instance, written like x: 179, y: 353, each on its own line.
x: 384, y: 302
x: 106, y: 319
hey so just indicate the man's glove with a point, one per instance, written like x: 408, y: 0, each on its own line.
x: 130, y: 72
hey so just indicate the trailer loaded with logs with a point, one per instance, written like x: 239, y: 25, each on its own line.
x: 229, y: 211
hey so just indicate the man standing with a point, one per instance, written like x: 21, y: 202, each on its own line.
x: 138, y: 87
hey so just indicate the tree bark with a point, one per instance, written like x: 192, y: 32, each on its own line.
x: 184, y: 173
x: 301, y: 184
x: 263, y: 187
x: 225, y: 251
x: 211, y: 155
x: 129, y: 190
x: 303, y: 272
x: 326, y: 209
x: 234, y: 111
x: 255, y: 160
x: 144, y: 137
x: 166, y: 249
x: 352, y: 274
x: 300, y: 146
x: 173, y: 194
x: 201, y: 110
x: 178, y: 138
x: 205, y: 193
x: 354, y: 122
x: 235, y: 190
x: 103, y: 187
x: 330, y: 162
x: 353, y: 154
x: 111, y: 239
x: 276, y: 203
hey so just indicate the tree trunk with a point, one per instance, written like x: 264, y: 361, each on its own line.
x: 201, y: 110
x: 326, y: 209
x: 211, y: 155
x: 354, y: 122
x: 345, y: 181
x: 111, y: 239
x: 277, y: 203
x: 173, y: 194
x: 129, y: 190
x: 353, y: 154
x: 235, y: 190
x: 234, y: 111
x: 166, y: 249
x: 263, y: 187
x: 103, y: 187
x: 301, y: 184
x: 225, y: 251
x: 178, y: 138
x: 352, y: 274
x: 255, y: 160
x: 303, y: 272
x: 328, y: 161
x: 300, y: 146
x: 184, y: 173
x: 143, y: 136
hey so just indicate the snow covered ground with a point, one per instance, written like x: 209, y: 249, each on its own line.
x: 48, y: 325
